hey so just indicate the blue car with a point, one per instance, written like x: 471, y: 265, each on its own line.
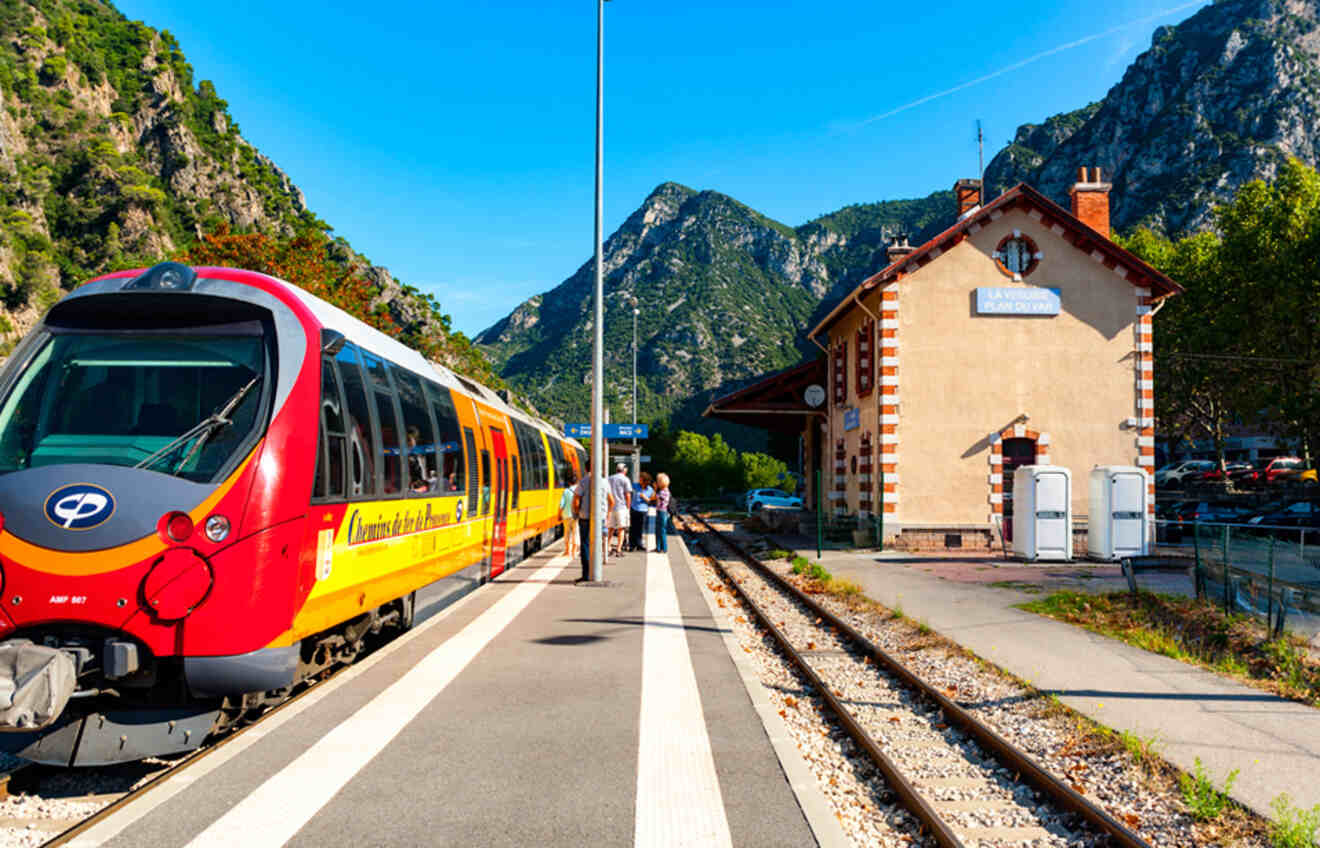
x: 757, y: 499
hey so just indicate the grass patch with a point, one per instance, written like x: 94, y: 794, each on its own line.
x: 800, y: 564
x: 777, y: 553
x: 843, y: 588
x: 1144, y: 750
x: 1204, y: 801
x: 1018, y: 585
x: 1195, y: 632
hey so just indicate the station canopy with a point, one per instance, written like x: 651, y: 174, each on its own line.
x: 777, y: 402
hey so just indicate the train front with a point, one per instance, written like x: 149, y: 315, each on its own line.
x: 146, y: 568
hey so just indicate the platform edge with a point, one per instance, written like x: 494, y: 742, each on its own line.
x: 811, y: 801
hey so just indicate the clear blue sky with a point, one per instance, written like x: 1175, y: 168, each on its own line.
x: 453, y: 142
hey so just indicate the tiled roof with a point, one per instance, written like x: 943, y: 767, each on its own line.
x: 1074, y: 231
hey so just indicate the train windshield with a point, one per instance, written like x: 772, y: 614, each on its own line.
x: 182, y: 402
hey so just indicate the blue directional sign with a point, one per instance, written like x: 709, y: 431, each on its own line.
x: 612, y: 431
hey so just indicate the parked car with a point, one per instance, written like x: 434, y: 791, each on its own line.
x: 1245, y: 474
x: 1179, y: 516
x: 1235, y: 471
x: 758, y: 499
x: 1286, y: 469
x: 1177, y: 473
x: 1304, y: 515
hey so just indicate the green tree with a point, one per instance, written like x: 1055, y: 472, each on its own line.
x: 761, y: 471
x: 1243, y: 342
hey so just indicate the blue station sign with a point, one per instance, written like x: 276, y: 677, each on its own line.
x: 852, y: 418
x: 612, y: 431
x: 1003, y: 300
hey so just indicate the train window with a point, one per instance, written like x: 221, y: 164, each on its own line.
x: 423, y: 450
x: 141, y: 400
x: 448, y: 448
x: 485, y: 477
x: 559, y: 462
x: 473, y: 481
x: 542, y: 461
x: 333, y: 437
x: 361, y: 463
x: 376, y: 368
x: 531, y: 449
x: 515, y: 480
x: 390, y: 443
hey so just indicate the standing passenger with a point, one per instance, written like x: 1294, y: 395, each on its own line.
x: 662, y: 499
x: 642, y: 494
x: 591, y: 485
x: 621, y: 492
x: 566, y: 516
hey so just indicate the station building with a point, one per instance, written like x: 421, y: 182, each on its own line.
x: 1021, y: 334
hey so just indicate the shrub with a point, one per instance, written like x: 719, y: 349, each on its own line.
x: 1293, y: 827
x: 53, y: 70
x: 799, y: 564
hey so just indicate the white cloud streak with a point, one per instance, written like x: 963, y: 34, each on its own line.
x: 1027, y: 61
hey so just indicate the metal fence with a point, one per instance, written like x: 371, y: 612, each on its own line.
x: 1265, y: 570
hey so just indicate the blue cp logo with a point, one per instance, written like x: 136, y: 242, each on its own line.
x: 80, y: 506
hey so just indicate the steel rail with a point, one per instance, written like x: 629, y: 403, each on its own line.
x: 903, y: 788
x: 1026, y: 768
x: 192, y: 759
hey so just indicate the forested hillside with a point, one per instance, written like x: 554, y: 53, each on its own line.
x: 113, y: 156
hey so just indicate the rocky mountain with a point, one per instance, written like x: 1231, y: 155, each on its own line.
x: 111, y: 157
x: 723, y: 294
x: 1219, y: 100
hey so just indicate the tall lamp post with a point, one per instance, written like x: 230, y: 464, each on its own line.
x: 596, y: 551
x: 637, y: 457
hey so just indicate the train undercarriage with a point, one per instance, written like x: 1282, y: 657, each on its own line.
x: 77, y: 696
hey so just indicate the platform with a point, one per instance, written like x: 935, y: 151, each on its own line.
x: 532, y: 712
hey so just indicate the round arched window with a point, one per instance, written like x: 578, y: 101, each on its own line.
x: 1017, y: 255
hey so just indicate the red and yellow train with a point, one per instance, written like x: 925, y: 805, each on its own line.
x: 214, y: 485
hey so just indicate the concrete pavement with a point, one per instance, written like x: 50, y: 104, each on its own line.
x: 519, y: 716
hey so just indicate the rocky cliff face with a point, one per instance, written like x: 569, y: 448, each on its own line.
x: 723, y: 292
x: 726, y: 294
x: 1217, y: 101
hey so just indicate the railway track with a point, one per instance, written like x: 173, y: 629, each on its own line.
x: 963, y: 782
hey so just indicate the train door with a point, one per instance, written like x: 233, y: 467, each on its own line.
x: 500, y: 484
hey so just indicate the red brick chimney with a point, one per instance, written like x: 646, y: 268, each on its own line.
x: 968, y: 195
x: 1090, y: 200
x: 897, y: 248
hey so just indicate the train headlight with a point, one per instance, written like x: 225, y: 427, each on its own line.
x: 217, y: 528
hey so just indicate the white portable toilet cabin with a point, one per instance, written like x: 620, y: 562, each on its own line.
x: 1118, y: 522
x: 1042, y: 512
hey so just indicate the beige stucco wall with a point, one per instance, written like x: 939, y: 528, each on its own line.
x: 964, y: 376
